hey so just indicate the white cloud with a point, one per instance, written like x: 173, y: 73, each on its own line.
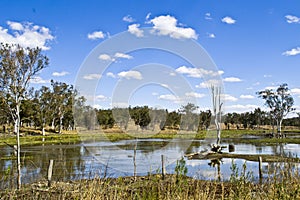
x: 92, y: 76
x: 167, y: 25
x: 26, y: 34
x: 130, y: 75
x: 270, y: 88
x: 194, y: 94
x: 135, y: 30
x: 122, y: 55
x: 209, y: 83
x: 211, y: 35
x: 106, y: 57
x: 113, y: 58
x: 232, y: 79
x: 292, y: 52
x: 155, y: 94
x: 148, y: 16
x: 228, y: 97
x: 63, y: 73
x: 128, y: 18
x: 15, y: 26
x: 221, y: 72
x: 196, y: 72
x: 101, y: 97
x: 228, y: 20
x: 292, y: 19
x: 170, y: 97
x: 110, y: 74
x: 247, y: 96
x: 295, y: 91
x: 38, y: 80
x: 240, y: 108
x: 208, y: 16
x: 172, y: 74
x: 96, y: 35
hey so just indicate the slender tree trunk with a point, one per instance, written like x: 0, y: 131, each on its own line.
x: 52, y: 124
x: 60, y: 124
x: 17, y: 125
x: 279, y: 128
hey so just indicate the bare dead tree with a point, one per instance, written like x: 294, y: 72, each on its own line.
x: 217, y: 110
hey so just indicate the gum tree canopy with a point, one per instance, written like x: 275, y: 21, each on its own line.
x: 18, y: 66
x: 280, y: 103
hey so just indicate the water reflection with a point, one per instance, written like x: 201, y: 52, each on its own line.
x: 121, y: 159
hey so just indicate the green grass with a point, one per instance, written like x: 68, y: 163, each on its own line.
x: 280, y: 185
x: 99, y: 135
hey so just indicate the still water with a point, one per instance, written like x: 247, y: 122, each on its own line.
x: 128, y: 157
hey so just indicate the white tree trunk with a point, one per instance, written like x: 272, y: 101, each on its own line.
x: 52, y: 124
x: 60, y: 124
x: 17, y: 126
x: 279, y: 127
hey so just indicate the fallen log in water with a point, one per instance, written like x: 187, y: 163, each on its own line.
x: 265, y: 158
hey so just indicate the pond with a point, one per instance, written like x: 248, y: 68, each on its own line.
x: 129, y: 157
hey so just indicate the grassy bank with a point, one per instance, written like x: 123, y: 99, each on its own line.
x: 33, y: 137
x: 283, y: 185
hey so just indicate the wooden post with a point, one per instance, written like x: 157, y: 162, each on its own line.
x: 163, y: 170
x: 260, y: 168
x: 50, y: 169
x: 134, y: 161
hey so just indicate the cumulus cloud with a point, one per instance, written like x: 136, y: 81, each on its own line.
x: 122, y: 55
x: 232, y: 79
x: 208, y: 16
x: 92, y: 76
x: 211, y: 35
x: 38, y: 80
x: 228, y: 20
x: 196, y: 72
x: 194, y: 95
x: 292, y: 52
x: 110, y: 74
x: 209, y: 83
x: 295, y: 91
x: 130, y: 75
x: 246, y: 96
x: 238, y: 108
x: 135, y: 30
x: 101, y: 97
x: 63, y: 73
x: 168, y: 25
x: 26, y: 34
x: 228, y: 97
x: 96, y: 35
x: 114, y: 57
x: 148, y: 16
x: 292, y: 19
x: 106, y: 57
x: 128, y: 18
x: 170, y: 97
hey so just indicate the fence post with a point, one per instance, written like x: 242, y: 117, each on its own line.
x: 260, y: 168
x: 50, y: 169
x: 163, y: 169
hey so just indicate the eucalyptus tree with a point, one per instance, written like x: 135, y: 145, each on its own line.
x: 18, y: 66
x: 61, y: 101
x: 190, y: 117
x: 43, y: 100
x: 279, y: 101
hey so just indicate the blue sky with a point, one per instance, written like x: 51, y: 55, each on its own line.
x: 254, y: 45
